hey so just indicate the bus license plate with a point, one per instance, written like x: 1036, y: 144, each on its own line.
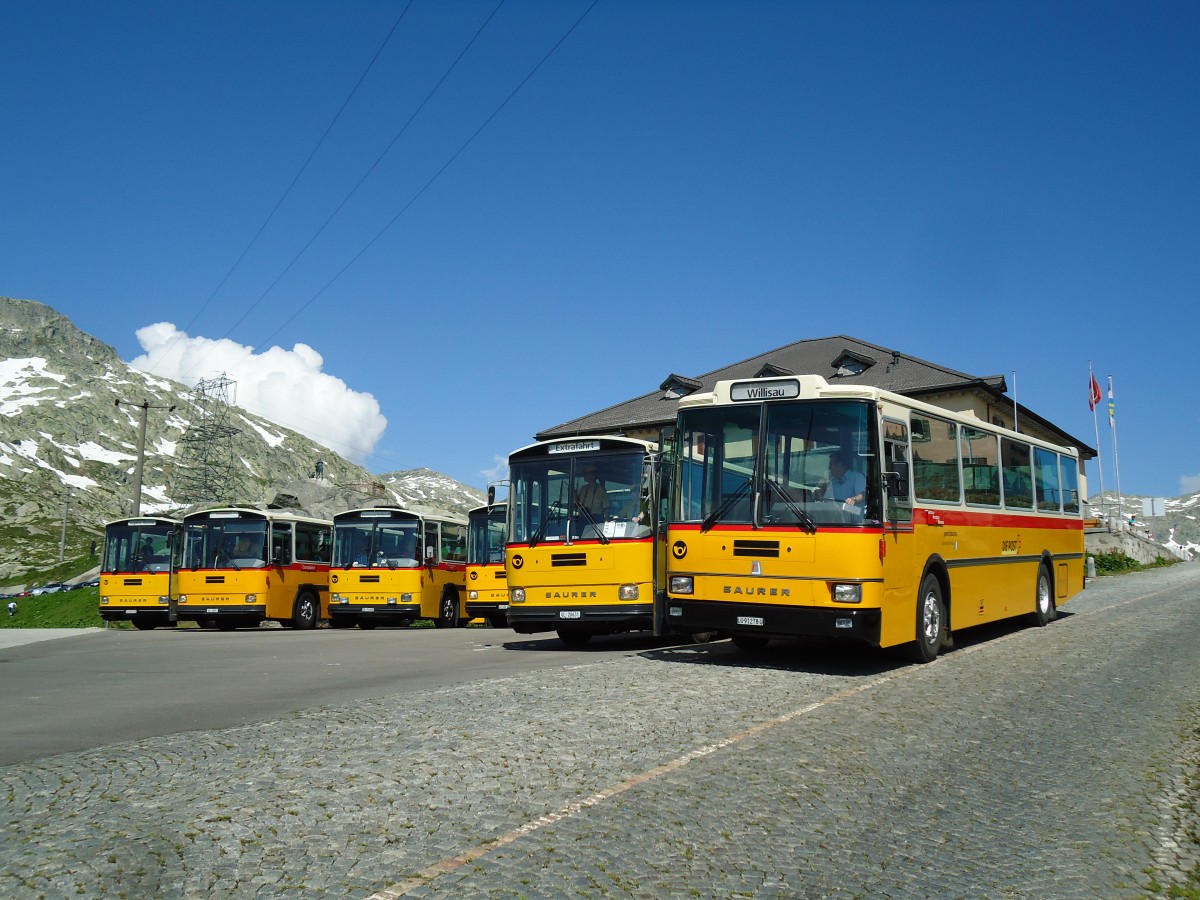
x: 368, y: 609
x: 212, y: 610
x: 749, y: 620
x: 568, y: 614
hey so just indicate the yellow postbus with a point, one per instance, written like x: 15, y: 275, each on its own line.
x: 581, y: 557
x: 487, y: 582
x: 240, y: 567
x: 802, y: 508
x: 135, y: 572
x: 392, y: 566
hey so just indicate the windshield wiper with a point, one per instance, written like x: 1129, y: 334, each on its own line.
x: 711, y: 519
x: 590, y: 518
x: 805, y: 520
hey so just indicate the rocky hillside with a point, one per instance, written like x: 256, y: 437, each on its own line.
x: 68, y: 450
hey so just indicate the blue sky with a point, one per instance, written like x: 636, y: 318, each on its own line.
x: 567, y: 214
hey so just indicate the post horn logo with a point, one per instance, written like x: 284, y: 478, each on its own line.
x: 679, y: 550
x: 517, y: 561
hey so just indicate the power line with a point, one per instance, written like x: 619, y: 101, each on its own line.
x: 386, y: 150
x: 304, y: 166
x: 436, y: 175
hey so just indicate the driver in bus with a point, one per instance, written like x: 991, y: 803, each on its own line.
x: 591, y: 495
x: 846, y: 485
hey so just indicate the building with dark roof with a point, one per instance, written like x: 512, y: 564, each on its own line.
x: 840, y: 360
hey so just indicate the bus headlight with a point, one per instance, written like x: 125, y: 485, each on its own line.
x: 104, y: 601
x: 252, y: 598
x: 472, y: 595
x: 406, y: 598
x: 336, y: 598
x: 681, y: 584
x: 183, y: 598
x: 517, y: 595
x: 627, y: 592
x: 164, y: 601
x: 847, y: 593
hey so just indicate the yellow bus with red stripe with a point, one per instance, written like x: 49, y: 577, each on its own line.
x: 487, y: 582
x: 136, y: 571
x: 392, y: 566
x: 241, y: 567
x: 582, y: 557
x: 803, y: 508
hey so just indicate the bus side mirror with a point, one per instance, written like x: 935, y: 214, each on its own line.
x: 429, y: 555
x: 491, y: 494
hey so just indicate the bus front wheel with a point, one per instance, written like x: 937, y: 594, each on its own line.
x: 1044, y: 610
x: 931, y: 621
x: 305, y: 613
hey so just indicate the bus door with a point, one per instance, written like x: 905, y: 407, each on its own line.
x: 897, y: 543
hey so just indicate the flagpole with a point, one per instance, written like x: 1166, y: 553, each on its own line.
x: 1092, y: 394
x: 1112, y: 421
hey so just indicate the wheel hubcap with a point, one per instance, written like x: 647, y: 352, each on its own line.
x: 931, y: 618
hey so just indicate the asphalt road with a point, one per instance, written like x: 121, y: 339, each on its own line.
x: 97, y: 687
x: 1057, y: 762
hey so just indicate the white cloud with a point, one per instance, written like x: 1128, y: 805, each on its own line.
x: 498, y: 472
x: 285, y: 386
x: 1189, y: 484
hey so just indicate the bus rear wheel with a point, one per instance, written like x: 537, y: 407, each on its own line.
x: 306, y: 612
x: 931, y: 621
x: 1044, y: 610
x: 448, y: 612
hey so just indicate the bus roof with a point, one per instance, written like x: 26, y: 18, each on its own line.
x: 397, y: 512
x: 586, y: 443
x: 778, y: 388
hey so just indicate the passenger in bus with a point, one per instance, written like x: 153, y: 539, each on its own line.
x: 845, y: 484
x: 591, y: 495
x: 407, y: 552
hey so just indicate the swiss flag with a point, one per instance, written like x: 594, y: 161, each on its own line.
x: 1094, y: 394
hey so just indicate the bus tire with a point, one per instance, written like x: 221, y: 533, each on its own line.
x: 574, y: 637
x: 1044, y: 610
x: 931, y: 621
x: 305, y: 612
x: 749, y: 643
x: 448, y: 611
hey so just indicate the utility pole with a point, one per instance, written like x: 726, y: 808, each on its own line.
x: 145, y: 406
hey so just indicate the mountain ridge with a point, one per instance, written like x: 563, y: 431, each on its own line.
x: 68, y: 449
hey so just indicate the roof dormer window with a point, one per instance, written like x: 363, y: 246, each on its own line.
x: 849, y: 364
x: 677, y: 386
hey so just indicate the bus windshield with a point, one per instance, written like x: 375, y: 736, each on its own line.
x: 805, y: 464
x: 383, y: 543
x: 225, y: 544
x: 593, y: 496
x: 133, y: 547
x: 485, y: 537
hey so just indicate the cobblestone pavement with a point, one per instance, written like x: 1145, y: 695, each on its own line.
x: 1027, y: 763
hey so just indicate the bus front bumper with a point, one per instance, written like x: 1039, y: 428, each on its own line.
x: 773, y: 620
x: 125, y: 613
x: 198, y: 613
x: 609, y: 619
x: 395, y: 612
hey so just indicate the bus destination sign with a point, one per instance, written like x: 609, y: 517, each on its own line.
x: 764, y: 389
x: 574, y: 446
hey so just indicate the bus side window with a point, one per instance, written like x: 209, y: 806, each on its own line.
x: 281, y: 546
